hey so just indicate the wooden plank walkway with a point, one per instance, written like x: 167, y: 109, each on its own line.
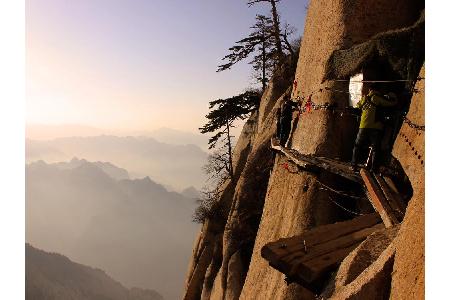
x: 306, y: 258
x: 313, y: 163
x: 380, y: 189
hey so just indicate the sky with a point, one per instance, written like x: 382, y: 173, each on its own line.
x: 136, y: 64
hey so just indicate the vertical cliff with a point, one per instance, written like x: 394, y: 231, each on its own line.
x: 408, y: 279
x: 269, y: 201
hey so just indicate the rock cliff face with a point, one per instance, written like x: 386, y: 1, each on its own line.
x: 269, y: 201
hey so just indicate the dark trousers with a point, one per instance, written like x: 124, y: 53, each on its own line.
x: 285, y: 130
x: 367, y: 137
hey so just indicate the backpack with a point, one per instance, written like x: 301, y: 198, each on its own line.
x: 385, y: 114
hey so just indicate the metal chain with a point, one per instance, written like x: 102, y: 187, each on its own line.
x: 413, y: 125
x: 384, y: 81
x: 311, y: 105
x: 344, y: 208
x: 342, y: 193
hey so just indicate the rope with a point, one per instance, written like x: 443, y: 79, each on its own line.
x: 344, y: 208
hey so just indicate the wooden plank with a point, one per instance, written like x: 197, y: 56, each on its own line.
x: 301, y: 258
x: 316, y: 269
x: 323, y: 254
x: 394, y: 190
x: 377, y: 199
x: 285, y: 246
x: 311, y: 163
x: 394, y: 200
x: 329, y: 165
x: 290, y: 256
x: 320, y: 235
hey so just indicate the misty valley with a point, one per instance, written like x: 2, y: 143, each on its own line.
x: 138, y: 231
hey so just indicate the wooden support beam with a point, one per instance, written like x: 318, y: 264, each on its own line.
x: 378, y: 200
x: 308, y: 257
x: 393, y: 199
x: 395, y: 191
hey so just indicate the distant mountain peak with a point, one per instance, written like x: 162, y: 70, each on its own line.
x: 51, y: 275
x: 191, y: 192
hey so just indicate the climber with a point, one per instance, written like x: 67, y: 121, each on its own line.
x: 285, y: 119
x: 371, y: 127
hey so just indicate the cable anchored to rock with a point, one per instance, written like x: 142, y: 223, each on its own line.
x: 344, y: 208
x: 381, y: 81
x: 326, y: 187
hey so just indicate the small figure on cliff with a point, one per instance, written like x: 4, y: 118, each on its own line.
x: 285, y: 119
x: 371, y: 127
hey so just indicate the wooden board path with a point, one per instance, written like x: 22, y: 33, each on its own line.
x: 311, y: 162
x: 307, y: 258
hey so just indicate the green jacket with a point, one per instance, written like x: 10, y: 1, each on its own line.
x: 368, y: 104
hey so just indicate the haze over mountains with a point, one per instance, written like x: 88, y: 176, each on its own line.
x: 177, y: 166
x: 51, y: 276
x: 134, y: 229
x: 163, y: 134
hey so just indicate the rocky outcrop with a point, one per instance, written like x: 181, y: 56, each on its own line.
x: 271, y: 201
x: 294, y: 202
x: 226, y: 269
x: 374, y: 255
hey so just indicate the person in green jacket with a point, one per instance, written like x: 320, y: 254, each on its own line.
x: 372, y: 124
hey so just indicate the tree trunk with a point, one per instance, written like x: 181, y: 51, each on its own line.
x: 288, y: 45
x: 264, y: 62
x: 276, y: 27
x: 230, y: 155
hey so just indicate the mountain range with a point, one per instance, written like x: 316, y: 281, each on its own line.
x: 163, y: 134
x: 52, y: 276
x: 134, y: 229
x: 177, y: 166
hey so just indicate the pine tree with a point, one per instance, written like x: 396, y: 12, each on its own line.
x: 276, y: 32
x: 267, y: 43
x: 261, y: 41
x: 223, y: 113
